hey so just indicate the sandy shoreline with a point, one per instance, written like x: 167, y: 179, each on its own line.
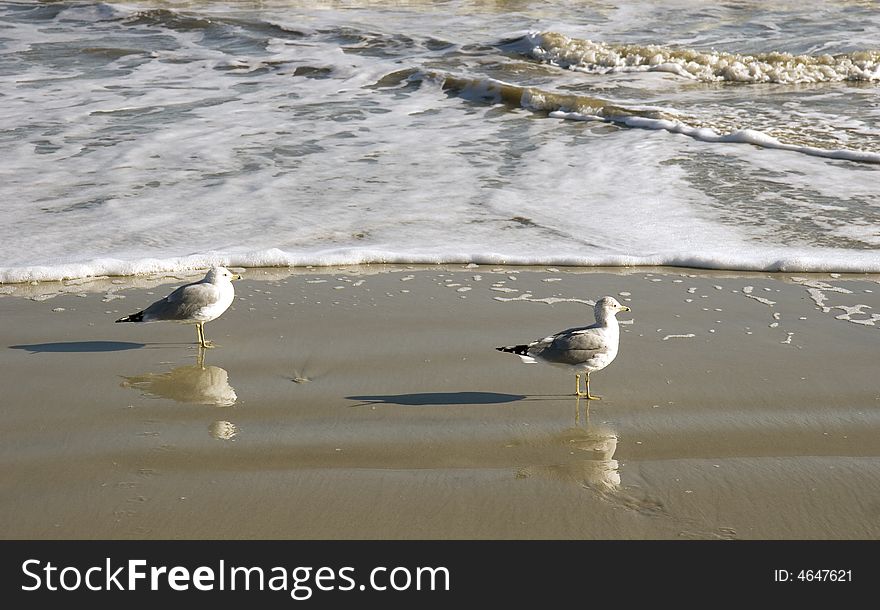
x: 369, y: 403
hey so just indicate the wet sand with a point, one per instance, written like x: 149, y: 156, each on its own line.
x: 369, y: 403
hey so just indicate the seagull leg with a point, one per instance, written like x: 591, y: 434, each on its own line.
x: 578, y: 392
x: 200, y: 328
x: 588, y: 395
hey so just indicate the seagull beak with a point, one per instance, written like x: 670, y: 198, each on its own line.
x: 236, y: 276
x: 625, y: 308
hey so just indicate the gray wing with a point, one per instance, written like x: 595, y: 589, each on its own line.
x: 183, y: 303
x: 573, y: 346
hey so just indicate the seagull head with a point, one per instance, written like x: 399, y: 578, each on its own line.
x: 608, y: 307
x: 221, y: 274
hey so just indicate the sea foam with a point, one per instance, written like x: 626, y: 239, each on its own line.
x: 707, y: 66
x: 755, y: 260
x: 589, y: 108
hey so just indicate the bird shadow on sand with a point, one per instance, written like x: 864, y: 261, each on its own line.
x: 436, y: 399
x: 78, y: 347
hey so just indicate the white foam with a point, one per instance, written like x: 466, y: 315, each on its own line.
x: 706, y: 66
x: 747, y: 291
x: 527, y: 297
x: 756, y: 259
x: 744, y: 136
x: 563, y: 105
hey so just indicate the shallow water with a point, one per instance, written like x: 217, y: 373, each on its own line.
x: 163, y: 136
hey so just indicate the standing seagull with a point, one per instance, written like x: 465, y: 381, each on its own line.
x: 588, y: 348
x: 195, y: 303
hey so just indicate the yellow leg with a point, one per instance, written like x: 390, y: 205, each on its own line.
x: 578, y: 392
x: 587, y: 394
x: 200, y: 329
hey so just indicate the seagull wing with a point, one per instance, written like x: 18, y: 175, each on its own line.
x: 184, y: 302
x: 572, y: 346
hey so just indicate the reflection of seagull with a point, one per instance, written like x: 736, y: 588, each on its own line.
x: 589, y: 348
x: 194, y: 303
x: 586, y: 458
x: 599, y: 470
x: 198, y: 384
x: 584, y: 455
x: 223, y: 430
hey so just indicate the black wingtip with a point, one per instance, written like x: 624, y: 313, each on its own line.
x: 135, y: 317
x: 520, y: 350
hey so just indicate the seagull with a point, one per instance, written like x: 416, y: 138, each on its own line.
x: 587, y: 348
x: 195, y: 303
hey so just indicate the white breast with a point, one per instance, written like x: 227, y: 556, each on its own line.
x: 214, y: 310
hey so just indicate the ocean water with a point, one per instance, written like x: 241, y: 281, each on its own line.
x: 138, y: 137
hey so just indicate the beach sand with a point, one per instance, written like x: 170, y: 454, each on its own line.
x: 369, y: 403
